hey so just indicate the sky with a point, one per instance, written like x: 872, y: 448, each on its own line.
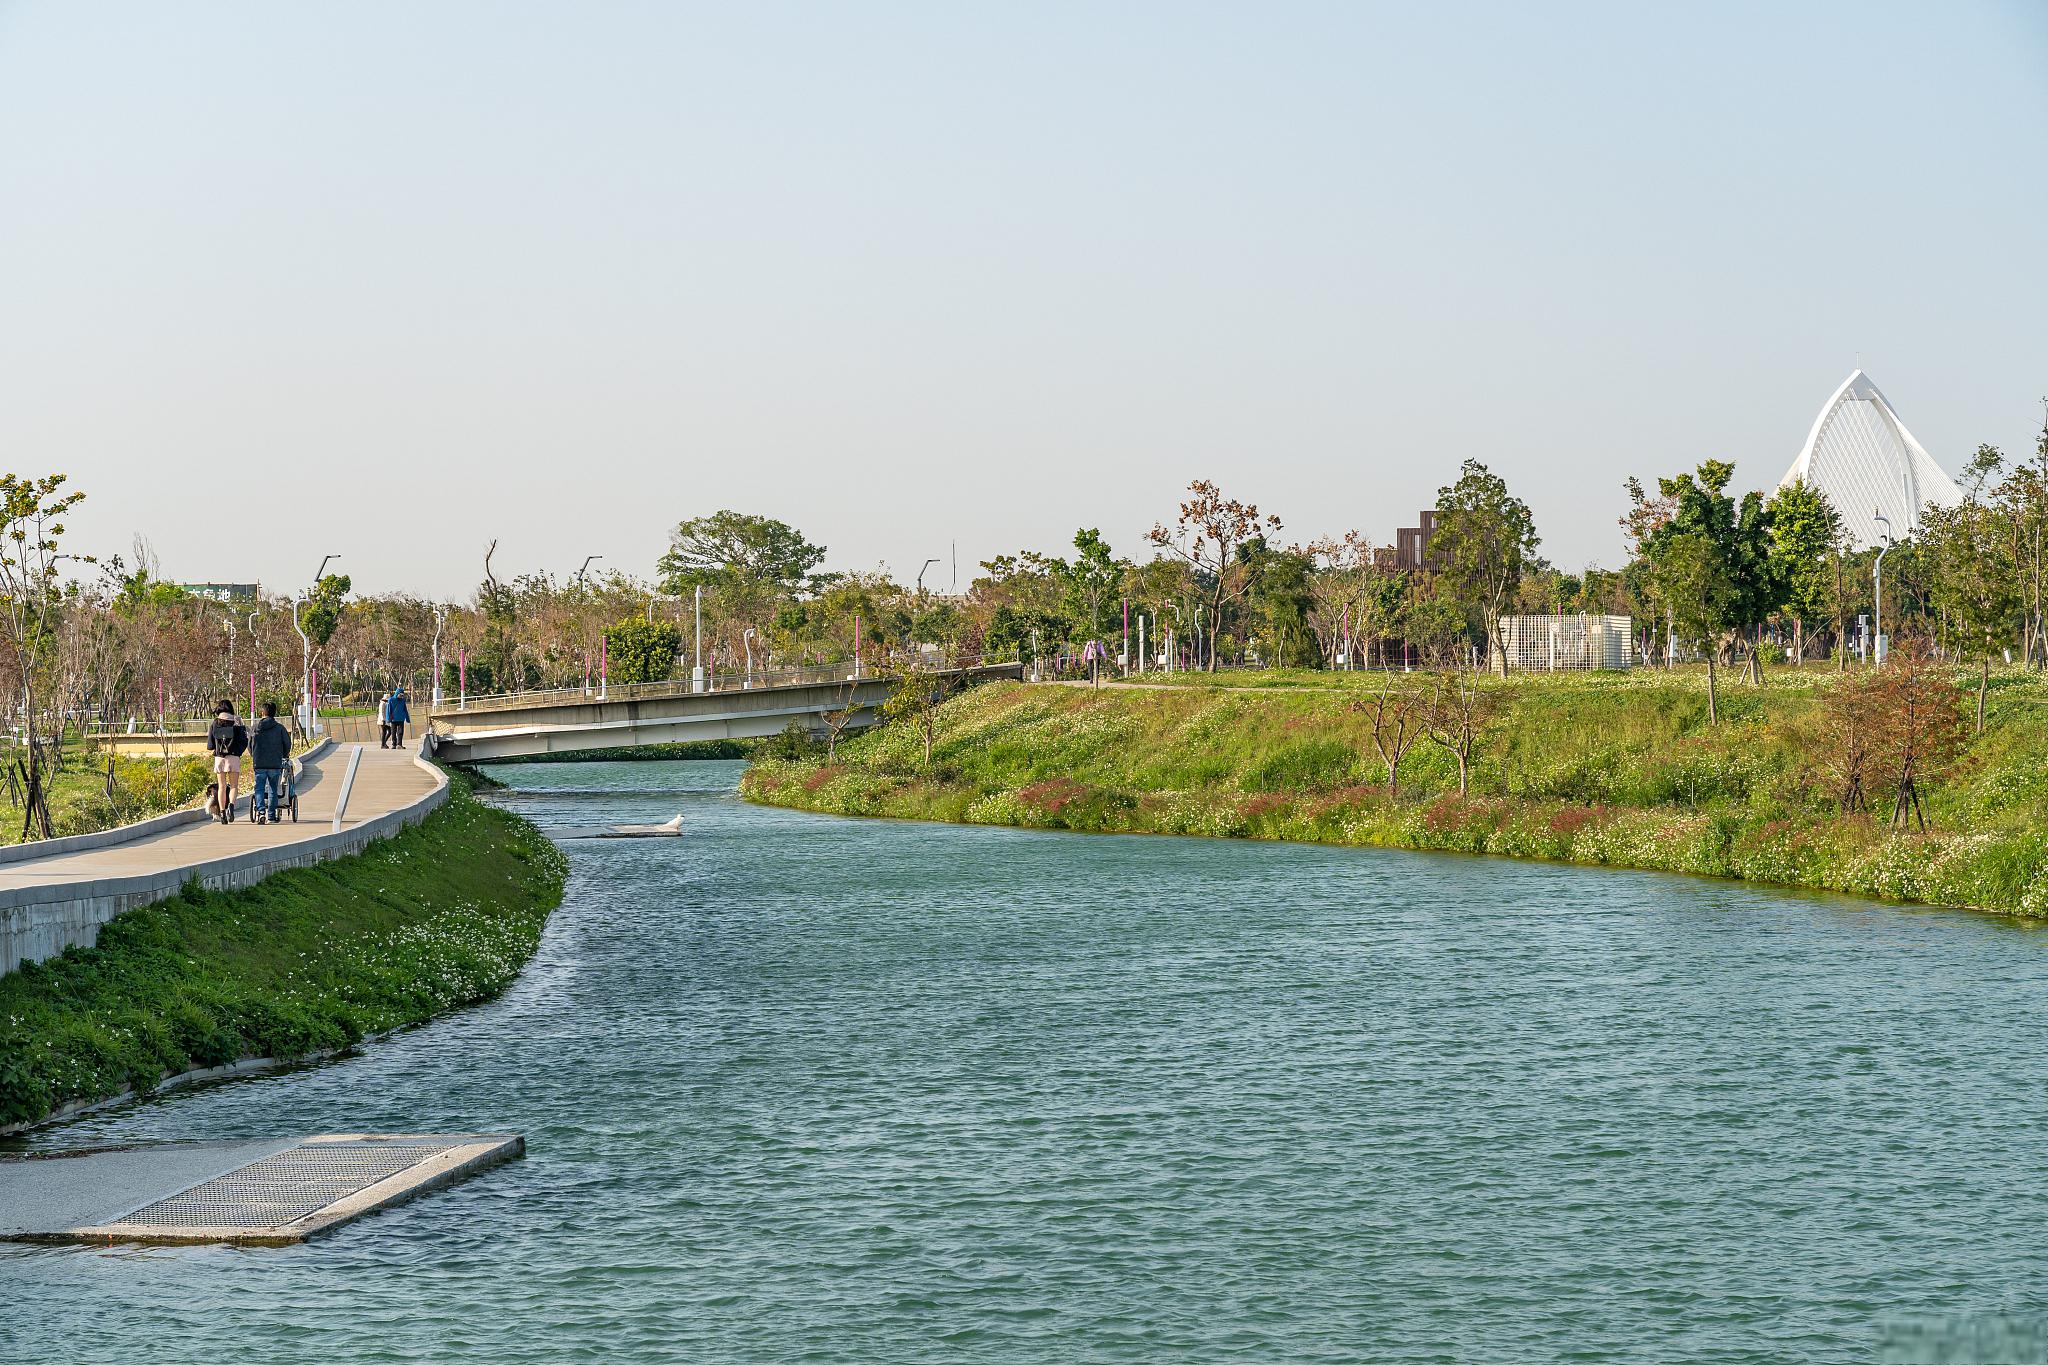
x: 393, y: 280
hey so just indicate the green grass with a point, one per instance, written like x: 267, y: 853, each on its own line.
x: 441, y: 915
x: 1622, y: 770
x: 78, y: 798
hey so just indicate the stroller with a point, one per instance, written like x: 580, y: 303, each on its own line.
x: 286, y: 799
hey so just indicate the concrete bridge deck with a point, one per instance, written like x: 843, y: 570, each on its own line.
x: 59, y: 892
x: 574, y: 720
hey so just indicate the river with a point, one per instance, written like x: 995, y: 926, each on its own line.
x: 805, y: 1089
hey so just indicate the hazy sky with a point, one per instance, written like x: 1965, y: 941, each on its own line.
x: 404, y: 277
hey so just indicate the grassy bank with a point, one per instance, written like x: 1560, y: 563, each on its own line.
x: 1622, y: 770
x: 83, y: 802
x: 312, y: 959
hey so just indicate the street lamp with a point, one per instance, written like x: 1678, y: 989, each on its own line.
x: 920, y: 575
x: 440, y: 621
x: 697, y: 673
x: 1877, y: 586
x: 586, y: 568
x: 747, y: 643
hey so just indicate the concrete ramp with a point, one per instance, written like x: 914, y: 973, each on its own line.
x: 249, y: 1194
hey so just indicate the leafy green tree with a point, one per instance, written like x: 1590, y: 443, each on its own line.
x: 1484, y: 538
x: 1723, y: 576
x: 642, y: 651
x: 738, y: 551
x: 1806, y: 547
x: 1091, y: 580
x: 916, y: 698
x: 322, y: 612
x: 1280, y: 599
x: 1971, y: 553
x: 1690, y: 575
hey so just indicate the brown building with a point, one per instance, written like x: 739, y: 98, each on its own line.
x: 1411, y: 543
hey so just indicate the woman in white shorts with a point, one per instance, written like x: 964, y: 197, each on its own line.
x: 226, y: 740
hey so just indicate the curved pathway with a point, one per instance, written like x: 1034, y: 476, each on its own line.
x: 61, y: 897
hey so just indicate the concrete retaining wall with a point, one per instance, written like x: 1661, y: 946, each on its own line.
x: 42, y: 921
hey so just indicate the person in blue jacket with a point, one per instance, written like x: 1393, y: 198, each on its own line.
x: 397, y: 714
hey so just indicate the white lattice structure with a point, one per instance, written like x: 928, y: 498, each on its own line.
x: 1860, y: 454
x: 1542, y: 644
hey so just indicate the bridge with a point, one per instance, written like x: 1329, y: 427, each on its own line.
x: 573, y: 720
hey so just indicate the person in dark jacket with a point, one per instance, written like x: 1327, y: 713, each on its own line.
x: 270, y: 748
x: 226, y: 740
x: 397, y: 714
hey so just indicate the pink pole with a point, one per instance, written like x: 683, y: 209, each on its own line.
x: 1127, y: 636
x: 856, y: 645
x: 604, y: 668
x: 461, y: 676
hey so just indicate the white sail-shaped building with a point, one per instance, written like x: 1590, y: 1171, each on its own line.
x: 1860, y: 454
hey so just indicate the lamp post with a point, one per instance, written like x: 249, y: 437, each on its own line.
x: 697, y: 673
x: 747, y: 643
x: 440, y: 622
x: 585, y: 569
x: 1877, y: 587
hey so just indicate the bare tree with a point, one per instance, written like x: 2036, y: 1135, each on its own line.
x: 1460, y: 711
x: 1208, y: 534
x: 1396, y: 715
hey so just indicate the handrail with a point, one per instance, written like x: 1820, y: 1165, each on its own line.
x: 736, y: 682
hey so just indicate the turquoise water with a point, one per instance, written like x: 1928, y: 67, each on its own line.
x: 804, y: 1089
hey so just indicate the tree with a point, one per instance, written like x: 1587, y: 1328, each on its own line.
x: 1397, y: 722
x: 1457, y: 715
x: 1710, y: 564
x: 323, y: 609
x: 1971, y: 551
x: 642, y: 651
x: 735, y: 551
x: 1806, y: 533
x: 1690, y: 576
x: 1206, y: 535
x: 1922, y: 735
x: 1090, y: 580
x: 916, y: 698
x: 1281, y: 597
x: 1483, y: 536
x: 31, y: 532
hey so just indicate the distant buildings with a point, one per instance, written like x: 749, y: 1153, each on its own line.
x: 1411, y: 544
x: 1877, y: 476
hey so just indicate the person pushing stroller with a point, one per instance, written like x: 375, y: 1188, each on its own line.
x: 270, y: 750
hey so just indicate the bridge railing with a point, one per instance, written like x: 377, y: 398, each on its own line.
x: 683, y: 687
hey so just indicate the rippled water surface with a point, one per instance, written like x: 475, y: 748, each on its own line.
x: 804, y: 1089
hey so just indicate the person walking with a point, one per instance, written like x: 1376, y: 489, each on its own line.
x: 383, y: 722
x: 227, y: 739
x: 398, y: 713
x: 270, y: 748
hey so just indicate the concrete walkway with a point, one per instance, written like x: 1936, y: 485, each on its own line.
x: 388, y: 780
x: 57, y: 896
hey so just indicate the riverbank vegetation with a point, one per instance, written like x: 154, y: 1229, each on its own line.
x: 1799, y: 783
x: 313, y: 959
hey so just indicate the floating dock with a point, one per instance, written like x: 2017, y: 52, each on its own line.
x: 244, y: 1193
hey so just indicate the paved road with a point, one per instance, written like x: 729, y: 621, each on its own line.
x: 387, y: 780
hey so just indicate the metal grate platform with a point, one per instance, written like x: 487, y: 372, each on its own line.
x: 285, y: 1188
